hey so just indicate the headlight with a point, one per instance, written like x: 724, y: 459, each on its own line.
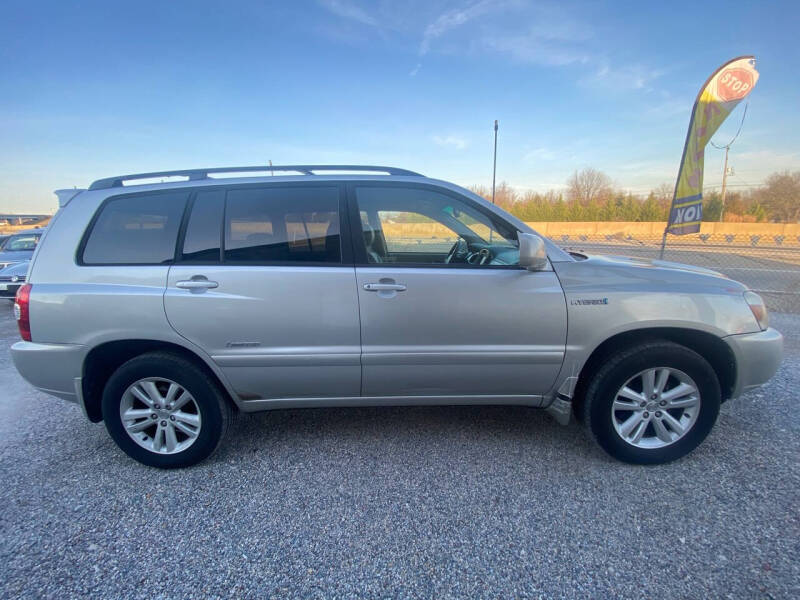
x: 758, y: 307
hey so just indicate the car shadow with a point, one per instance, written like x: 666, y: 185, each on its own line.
x: 493, y: 428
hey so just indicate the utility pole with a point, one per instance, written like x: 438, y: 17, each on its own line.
x: 725, y: 169
x: 724, y: 182
x: 494, y: 167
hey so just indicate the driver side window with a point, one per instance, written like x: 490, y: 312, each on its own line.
x: 410, y: 232
x: 417, y: 226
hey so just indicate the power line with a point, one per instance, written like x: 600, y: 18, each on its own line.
x: 738, y: 131
x: 744, y: 185
x: 644, y: 188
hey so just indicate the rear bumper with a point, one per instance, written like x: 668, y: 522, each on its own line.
x: 51, y: 368
x: 9, y: 290
x: 758, y: 356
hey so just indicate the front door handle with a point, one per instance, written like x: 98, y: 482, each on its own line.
x: 197, y: 284
x: 384, y: 287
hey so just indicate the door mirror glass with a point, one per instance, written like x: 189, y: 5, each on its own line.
x: 532, y: 252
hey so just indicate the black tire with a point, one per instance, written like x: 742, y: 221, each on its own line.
x: 214, y: 408
x: 623, y: 365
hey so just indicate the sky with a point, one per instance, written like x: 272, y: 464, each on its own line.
x: 93, y: 89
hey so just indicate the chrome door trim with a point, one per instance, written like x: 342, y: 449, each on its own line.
x: 458, y: 357
x: 289, y: 360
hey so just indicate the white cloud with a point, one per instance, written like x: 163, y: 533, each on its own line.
x: 753, y: 166
x: 349, y: 10
x: 453, y: 19
x: 554, y: 38
x: 551, y: 36
x: 540, y: 33
x: 671, y: 107
x: 450, y: 141
x: 622, y: 77
x: 539, y: 154
x: 530, y: 48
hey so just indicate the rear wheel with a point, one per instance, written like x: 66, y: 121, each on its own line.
x: 164, y: 411
x: 652, y: 403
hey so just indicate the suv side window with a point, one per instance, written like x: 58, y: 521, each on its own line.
x: 202, y: 242
x: 282, y: 224
x: 139, y: 229
x: 419, y: 226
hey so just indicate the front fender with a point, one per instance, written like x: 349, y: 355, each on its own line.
x: 607, y: 299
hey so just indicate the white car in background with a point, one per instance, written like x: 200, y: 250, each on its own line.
x: 19, y: 247
x: 12, y: 277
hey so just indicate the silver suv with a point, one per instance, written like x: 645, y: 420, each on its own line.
x: 163, y: 308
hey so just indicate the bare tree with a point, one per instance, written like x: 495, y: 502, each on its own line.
x: 481, y: 190
x: 664, y: 192
x: 587, y: 185
x: 781, y: 196
x: 505, y: 196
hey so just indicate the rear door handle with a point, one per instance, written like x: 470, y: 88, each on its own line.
x: 197, y: 284
x: 384, y: 287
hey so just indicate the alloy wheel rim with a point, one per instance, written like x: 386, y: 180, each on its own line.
x: 160, y: 415
x: 656, y: 407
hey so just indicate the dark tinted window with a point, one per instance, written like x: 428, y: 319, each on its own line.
x: 204, y: 231
x: 136, y: 230
x: 22, y: 242
x: 292, y: 224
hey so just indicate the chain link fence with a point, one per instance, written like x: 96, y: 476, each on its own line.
x: 765, y: 257
x: 768, y: 264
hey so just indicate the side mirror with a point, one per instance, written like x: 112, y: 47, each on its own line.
x: 532, y: 252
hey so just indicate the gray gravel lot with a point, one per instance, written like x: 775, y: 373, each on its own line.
x: 400, y: 502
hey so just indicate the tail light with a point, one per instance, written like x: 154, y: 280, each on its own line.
x: 22, y: 311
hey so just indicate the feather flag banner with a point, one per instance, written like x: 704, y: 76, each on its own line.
x: 722, y: 92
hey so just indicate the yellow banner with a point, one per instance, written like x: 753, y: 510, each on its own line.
x: 722, y: 92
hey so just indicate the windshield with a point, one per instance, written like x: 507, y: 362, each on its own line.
x: 21, y: 243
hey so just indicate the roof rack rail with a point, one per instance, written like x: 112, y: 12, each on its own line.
x: 195, y: 174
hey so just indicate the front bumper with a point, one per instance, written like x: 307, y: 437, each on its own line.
x: 758, y: 356
x: 51, y: 368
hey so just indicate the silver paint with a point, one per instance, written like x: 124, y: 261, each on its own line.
x: 314, y: 336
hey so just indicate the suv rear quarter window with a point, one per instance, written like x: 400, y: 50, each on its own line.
x: 136, y: 229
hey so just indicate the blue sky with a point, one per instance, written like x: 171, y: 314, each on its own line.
x: 91, y: 89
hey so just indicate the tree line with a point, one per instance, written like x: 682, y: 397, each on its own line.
x: 590, y: 195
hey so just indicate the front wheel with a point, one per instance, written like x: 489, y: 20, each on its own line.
x: 164, y: 411
x: 652, y: 403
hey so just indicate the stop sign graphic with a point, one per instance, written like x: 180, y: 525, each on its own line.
x: 734, y: 84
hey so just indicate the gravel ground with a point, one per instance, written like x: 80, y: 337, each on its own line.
x: 411, y: 502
